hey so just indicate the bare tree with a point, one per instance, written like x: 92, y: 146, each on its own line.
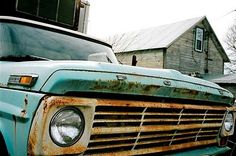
x: 121, y: 42
x: 230, y: 41
x: 231, y: 38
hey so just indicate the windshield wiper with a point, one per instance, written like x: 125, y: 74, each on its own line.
x: 23, y: 58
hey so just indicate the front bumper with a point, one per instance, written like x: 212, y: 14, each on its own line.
x: 207, y: 151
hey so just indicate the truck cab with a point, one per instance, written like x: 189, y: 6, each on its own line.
x: 64, y: 93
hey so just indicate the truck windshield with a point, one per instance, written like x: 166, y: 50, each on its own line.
x: 22, y: 41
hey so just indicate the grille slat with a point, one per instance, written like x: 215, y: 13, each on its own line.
x: 139, y: 126
x: 113, y: 139
x: 157, y: 120
x: 112, y: 130
x: 163, y: 140
x: 176, y: 134
x: 155, y: 114
x: 169, y: 114
x: 110, y: 146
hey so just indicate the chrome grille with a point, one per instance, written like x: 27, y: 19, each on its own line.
x: 152, y: 128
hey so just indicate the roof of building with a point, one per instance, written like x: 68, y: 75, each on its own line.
x: 158, y: 37
x: 226, y: 79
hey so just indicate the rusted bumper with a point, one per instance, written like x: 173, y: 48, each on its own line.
x: 207, y: 151
x: 122, y: 127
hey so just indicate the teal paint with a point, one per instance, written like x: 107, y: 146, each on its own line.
x: 14, y: 125
x: 212, y: 150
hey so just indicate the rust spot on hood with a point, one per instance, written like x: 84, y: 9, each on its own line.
x: 125, y: 87
x: 188, y: 92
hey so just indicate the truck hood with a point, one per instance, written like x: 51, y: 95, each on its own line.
x: 63, y: 77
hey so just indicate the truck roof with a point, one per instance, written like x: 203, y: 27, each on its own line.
x: 58, y: 29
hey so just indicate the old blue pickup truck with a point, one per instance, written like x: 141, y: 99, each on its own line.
x: 64, y: 93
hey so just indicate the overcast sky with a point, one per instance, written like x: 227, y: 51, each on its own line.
x: 108, y: 17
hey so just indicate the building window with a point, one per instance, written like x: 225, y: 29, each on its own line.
x: 198, y: 45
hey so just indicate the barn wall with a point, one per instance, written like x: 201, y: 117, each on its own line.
x: 146, y: 58
x: 216, y: 62
x: 182, y: 56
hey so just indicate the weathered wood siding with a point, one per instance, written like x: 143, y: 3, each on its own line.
x: 145, y: 58
x: 216, y: 62
x: 182, y: 56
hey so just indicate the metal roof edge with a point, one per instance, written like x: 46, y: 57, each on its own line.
x: 200, y: 20
x: 222, y: 50
x: 140, y: 50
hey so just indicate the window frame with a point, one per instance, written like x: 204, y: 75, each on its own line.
x: 199, y: 29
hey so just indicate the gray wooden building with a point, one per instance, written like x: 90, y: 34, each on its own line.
x: 189, y: 46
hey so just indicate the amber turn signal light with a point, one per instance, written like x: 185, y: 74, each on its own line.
x: 23, y: 80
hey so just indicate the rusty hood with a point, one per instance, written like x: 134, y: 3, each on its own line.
x: 104, y: 78
x: 65, y: 77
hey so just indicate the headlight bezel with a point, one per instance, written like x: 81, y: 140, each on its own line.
x: 224, y: 131
x: 77, y: 138
x: 229, y: 118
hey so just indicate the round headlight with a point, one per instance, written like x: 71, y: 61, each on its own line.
x: 229, y: 122
x: 66, y: 126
